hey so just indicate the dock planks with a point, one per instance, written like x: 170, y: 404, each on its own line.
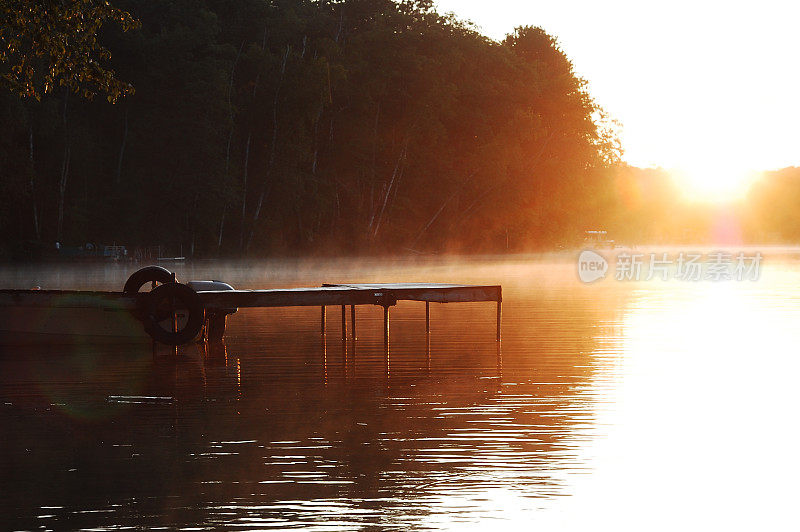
x: 351, y: 294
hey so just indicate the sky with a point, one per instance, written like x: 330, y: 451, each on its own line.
x: 699, y: 87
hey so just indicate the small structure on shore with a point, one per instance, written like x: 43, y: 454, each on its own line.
x: 598, y: 239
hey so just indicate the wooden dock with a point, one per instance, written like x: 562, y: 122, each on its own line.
x: 385, y: 295
x: 222, y: 302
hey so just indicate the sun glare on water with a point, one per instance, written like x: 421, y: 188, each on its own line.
x: 714, y: 182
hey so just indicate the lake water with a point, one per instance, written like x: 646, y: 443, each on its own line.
x: 614, y: 405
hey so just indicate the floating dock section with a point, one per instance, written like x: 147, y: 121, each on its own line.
x: 344, y: 295
x: 217, y: 304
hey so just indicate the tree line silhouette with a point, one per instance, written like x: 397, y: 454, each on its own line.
x: 254, y: 127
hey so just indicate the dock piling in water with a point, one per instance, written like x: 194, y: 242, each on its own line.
x: 499, y: 313
x: 386, y: 336
x: 428, y: 317
x: 344, y: 334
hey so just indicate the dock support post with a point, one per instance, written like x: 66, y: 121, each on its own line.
x: 353, y: 324
x: 215, y: 327
x: 386, y: 337
x: 344, y: 334
x: 324, y: 345
x: 428, y: 317
x: 428, y: 335
x: 499, y: 358
x: 499, y: 311
x: 353, y: 328
x: 499, y: 343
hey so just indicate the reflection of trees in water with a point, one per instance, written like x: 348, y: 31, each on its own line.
x: 253, y: 426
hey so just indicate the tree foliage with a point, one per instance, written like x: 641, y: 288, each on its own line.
x: 50, y: 43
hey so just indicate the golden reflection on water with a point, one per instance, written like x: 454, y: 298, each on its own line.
x: 617, y: 405
x: 699, y: 431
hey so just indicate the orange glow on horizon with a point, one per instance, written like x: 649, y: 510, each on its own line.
x: 714, y: 182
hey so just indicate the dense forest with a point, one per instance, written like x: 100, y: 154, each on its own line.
x: 261, y: 127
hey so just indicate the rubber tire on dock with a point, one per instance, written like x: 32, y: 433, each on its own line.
x: 166, y: 295
x: 146, y: 275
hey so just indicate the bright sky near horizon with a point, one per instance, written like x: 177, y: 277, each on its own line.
x: 698, y: 86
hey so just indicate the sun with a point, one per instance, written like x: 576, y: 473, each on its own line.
x: 714, y: 182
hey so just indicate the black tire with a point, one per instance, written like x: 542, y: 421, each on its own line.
x: 161, y: 302
x: 146, y: 275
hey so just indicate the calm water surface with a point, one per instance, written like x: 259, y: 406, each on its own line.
x: 639, y: 405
